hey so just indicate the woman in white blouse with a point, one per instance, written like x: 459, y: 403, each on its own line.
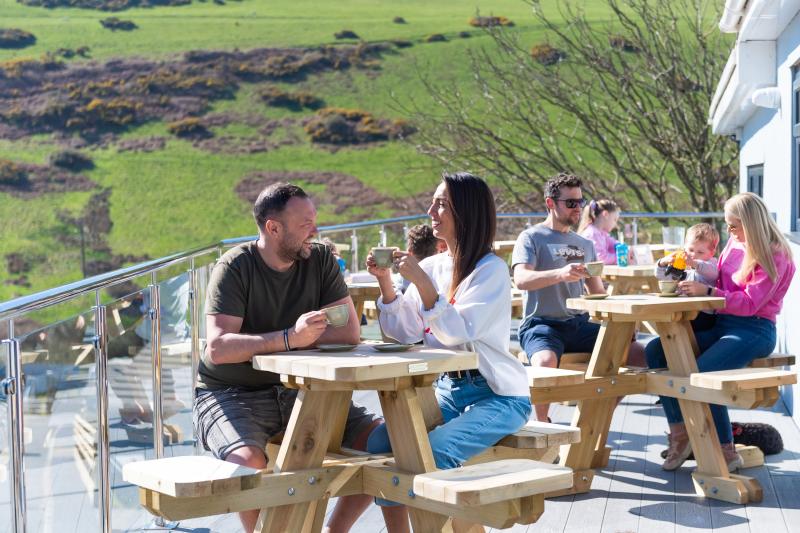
x: 460, y: 299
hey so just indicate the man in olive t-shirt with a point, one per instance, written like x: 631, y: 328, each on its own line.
x: 264, y: 297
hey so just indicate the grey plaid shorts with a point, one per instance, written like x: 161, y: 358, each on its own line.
x: 227, y: 419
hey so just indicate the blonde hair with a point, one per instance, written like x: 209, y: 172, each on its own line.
x: 703, y: 232
x: 593, y: 210
x: 762, y: 236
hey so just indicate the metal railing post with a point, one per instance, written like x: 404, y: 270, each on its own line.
x: 635, y: 231
x: 100, y: 342
x: 155, y: 346
x: 12, y: 388
x: 383, y: 235
x: 194, y: 324
x: 354, y: 251
x: 405, y: 232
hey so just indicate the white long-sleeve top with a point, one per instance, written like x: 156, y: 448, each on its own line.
x: 478, y: 319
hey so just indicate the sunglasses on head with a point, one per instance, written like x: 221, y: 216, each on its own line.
x: 572, y: 203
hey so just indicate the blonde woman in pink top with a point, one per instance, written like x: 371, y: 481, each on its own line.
x: 599, y: 218
x: 755, y: 270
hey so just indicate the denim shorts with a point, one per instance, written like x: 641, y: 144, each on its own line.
x: 227, y: 419
x: 575, y: 334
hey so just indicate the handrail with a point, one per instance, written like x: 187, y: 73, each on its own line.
x: 48, y: 297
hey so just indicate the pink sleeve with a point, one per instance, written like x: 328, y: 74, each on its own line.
x: 607, y: 252
x: 757, y: 292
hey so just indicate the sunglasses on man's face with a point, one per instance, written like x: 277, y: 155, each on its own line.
x: 572, y: 203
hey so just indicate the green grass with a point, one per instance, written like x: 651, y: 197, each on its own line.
x: 169, y: 200
x: 250, y: 24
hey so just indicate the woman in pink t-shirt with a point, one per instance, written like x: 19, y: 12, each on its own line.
x: 599, y: 218
x: 755, y: 270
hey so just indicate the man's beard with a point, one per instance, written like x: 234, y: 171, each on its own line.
x: 290, y: 251
x: 567, y: 220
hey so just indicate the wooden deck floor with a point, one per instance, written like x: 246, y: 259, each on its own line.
x: 633, y: 494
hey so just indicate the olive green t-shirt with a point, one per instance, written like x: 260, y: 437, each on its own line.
x: 243, y: 285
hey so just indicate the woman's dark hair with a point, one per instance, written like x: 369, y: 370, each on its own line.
x: 472, y: 204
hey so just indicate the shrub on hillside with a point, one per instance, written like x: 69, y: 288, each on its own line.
x: 464, y: 34
x: 71, y: 160
x: 353, y: 126
x: 400, y: 43
x: 346, y: 34
x: 547, y: 55
x: 114, y: 113
x: 16, y: 263
x: 489, y: 22
x: 21, y: 66
x: 189, y: 128
x: 104, y: 5
x: 181, y: 83
x: 277, y: 97
x: 14, y: 38
x: 621, y: 43
x: 114, y: 24
x: 435, y: 38
x: 399, y: 20
x: 12, y: 174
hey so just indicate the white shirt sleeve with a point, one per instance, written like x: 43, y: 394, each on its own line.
x: 400, y: 319
x: 486, y: 295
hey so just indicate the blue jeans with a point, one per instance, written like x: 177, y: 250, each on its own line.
x: 732, y: 342
x: 475, y: 418
x: 575, y: 334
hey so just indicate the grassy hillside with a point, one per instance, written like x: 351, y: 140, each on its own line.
x: 180, y: 196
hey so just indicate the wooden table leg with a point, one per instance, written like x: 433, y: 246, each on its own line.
x: 411, y: 448
x: 358, y: 301
x: 711, y: 478
x: 593, y: 417
x: 304, y: 444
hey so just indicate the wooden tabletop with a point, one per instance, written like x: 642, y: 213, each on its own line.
x: 629, y: 271
x: 646, y: 303
x: 367, y: 289
x: 364, y: 363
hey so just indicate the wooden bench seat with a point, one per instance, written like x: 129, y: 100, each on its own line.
x: 541, y: 376
x: 742, y: 379
x: 773, y: 361
x: 538, y: 435
x: 487, y: 483
x: 191, y: 476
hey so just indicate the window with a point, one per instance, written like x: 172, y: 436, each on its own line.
x: 755, y: 179
x: 796, y: 149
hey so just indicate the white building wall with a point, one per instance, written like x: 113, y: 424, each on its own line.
x: 766, y: 139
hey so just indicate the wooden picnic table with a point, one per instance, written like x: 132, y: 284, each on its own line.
x: 633, y: 279
x: 326, y: 382
x: 310, y: 466
x: 604, y: 383
x: 361, y: 292
x: 503, y: 248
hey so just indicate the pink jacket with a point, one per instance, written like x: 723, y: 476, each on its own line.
x: 604, y: 244
x: 759, y: 296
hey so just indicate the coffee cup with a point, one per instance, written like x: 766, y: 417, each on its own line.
x: 384, y: 256
x: 594, y: 268
x: 667, y: 286
x: 337, y: 315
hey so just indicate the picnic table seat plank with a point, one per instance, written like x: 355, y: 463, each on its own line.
x: 773, y: 361
x: 740, y: 379
x: 486, y: 483
x: 542, y: 376
x: 191, y: 476
x: 537, y: 435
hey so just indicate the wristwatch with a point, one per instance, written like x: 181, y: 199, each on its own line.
x: 710, y: 291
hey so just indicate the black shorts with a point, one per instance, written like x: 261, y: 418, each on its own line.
x: 228, y: 419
